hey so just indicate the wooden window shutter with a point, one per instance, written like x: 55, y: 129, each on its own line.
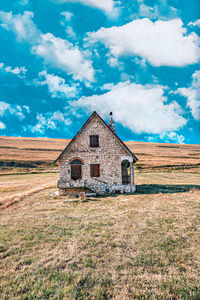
x: 94, y: 141
x: 94, y: 170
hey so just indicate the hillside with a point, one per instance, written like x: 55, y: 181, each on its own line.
x: 42, y: 152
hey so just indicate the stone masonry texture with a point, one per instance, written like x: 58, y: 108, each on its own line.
x: 107, y: 155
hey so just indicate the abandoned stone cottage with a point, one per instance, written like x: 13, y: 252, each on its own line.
x: 96, y: 160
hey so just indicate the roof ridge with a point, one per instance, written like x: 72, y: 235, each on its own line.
x: 104, y: 123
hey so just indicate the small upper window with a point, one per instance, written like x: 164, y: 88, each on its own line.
x: 94, y: 141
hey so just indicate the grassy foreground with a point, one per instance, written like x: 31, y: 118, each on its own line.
x: 141, y: 246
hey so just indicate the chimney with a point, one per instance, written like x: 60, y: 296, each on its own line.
x: 111, y: 123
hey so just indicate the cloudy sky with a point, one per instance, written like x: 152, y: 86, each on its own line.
x: 62, y: 59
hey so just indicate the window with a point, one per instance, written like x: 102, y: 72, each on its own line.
x: 94, y: 170
x: 94, y: 141
x: 76, y: 162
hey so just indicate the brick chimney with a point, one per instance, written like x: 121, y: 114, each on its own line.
x: 111, y: 123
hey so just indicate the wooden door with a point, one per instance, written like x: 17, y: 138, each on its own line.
x: 76, y: 172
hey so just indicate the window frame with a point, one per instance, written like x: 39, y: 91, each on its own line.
x: 94, y: 170
x: 94, y: 141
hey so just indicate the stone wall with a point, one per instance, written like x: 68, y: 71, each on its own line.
x: 108, y: 156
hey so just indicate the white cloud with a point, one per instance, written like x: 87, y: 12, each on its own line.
x: 163, y: 43
x: 57, y: 86
x: 105, y: 5
x: 27, y: 108
x: 70, y: 32
x: 143, y: 109
x: 193, y: 95
x: 15, y: 110
x: 57, y: 52
x: 49, y: 121
x: 169, y: 137
x: 22, y: 25
x: 23, y: 2
x: 2, y: 125
x: 42, y: 124
x: 195, y: 23
x: 67, y: 15
x: 175, y: 137
x: 161, y: 10
x: 62, y: 54
x: 68, y: 29
x: 3, y: 107
x: 60, y: 117
x: 17, y: 70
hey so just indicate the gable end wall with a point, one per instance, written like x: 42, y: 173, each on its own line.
x: 108, y: 155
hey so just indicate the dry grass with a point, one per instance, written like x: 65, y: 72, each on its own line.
x: 141, y: 246
x: 37, y: 150
x: 30, y: 149
x: 14, y: 187
x: 119, y: 247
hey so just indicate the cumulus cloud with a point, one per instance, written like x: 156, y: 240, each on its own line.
x: 49, y: 121
x: 2, y: 125
x: 21, y: 24
x: 143, y: 109
x: 62, y: 54
x: 192, y: 94
x: 105, y: 5
x: 20, y: 71
x: 57, y: 86
x: 15, y: 110
x: 161, y: 43
x: 56, y: 52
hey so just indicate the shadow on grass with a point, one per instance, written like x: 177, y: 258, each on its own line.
x: 151, y: 189
x: 164, y: 189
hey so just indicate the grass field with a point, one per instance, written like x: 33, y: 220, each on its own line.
x: 140, y: 246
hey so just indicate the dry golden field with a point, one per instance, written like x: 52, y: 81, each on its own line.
x: 140, y: 246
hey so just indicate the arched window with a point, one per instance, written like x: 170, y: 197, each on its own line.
x: 76, y: 162
x: 76, y: 169
x: 125, y: 172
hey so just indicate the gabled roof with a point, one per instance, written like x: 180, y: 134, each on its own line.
x: 104, y: 123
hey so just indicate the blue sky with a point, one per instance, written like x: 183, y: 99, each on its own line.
x: 62, y: 59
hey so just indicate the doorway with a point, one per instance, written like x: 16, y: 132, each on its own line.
x: 126, y: 172
x: 76, y: 169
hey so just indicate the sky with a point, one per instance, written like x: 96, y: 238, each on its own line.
x: 62, y: 59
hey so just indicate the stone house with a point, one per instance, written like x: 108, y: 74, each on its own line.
x: 96, y: 160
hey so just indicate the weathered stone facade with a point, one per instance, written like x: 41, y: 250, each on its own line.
x: 109, y: 156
